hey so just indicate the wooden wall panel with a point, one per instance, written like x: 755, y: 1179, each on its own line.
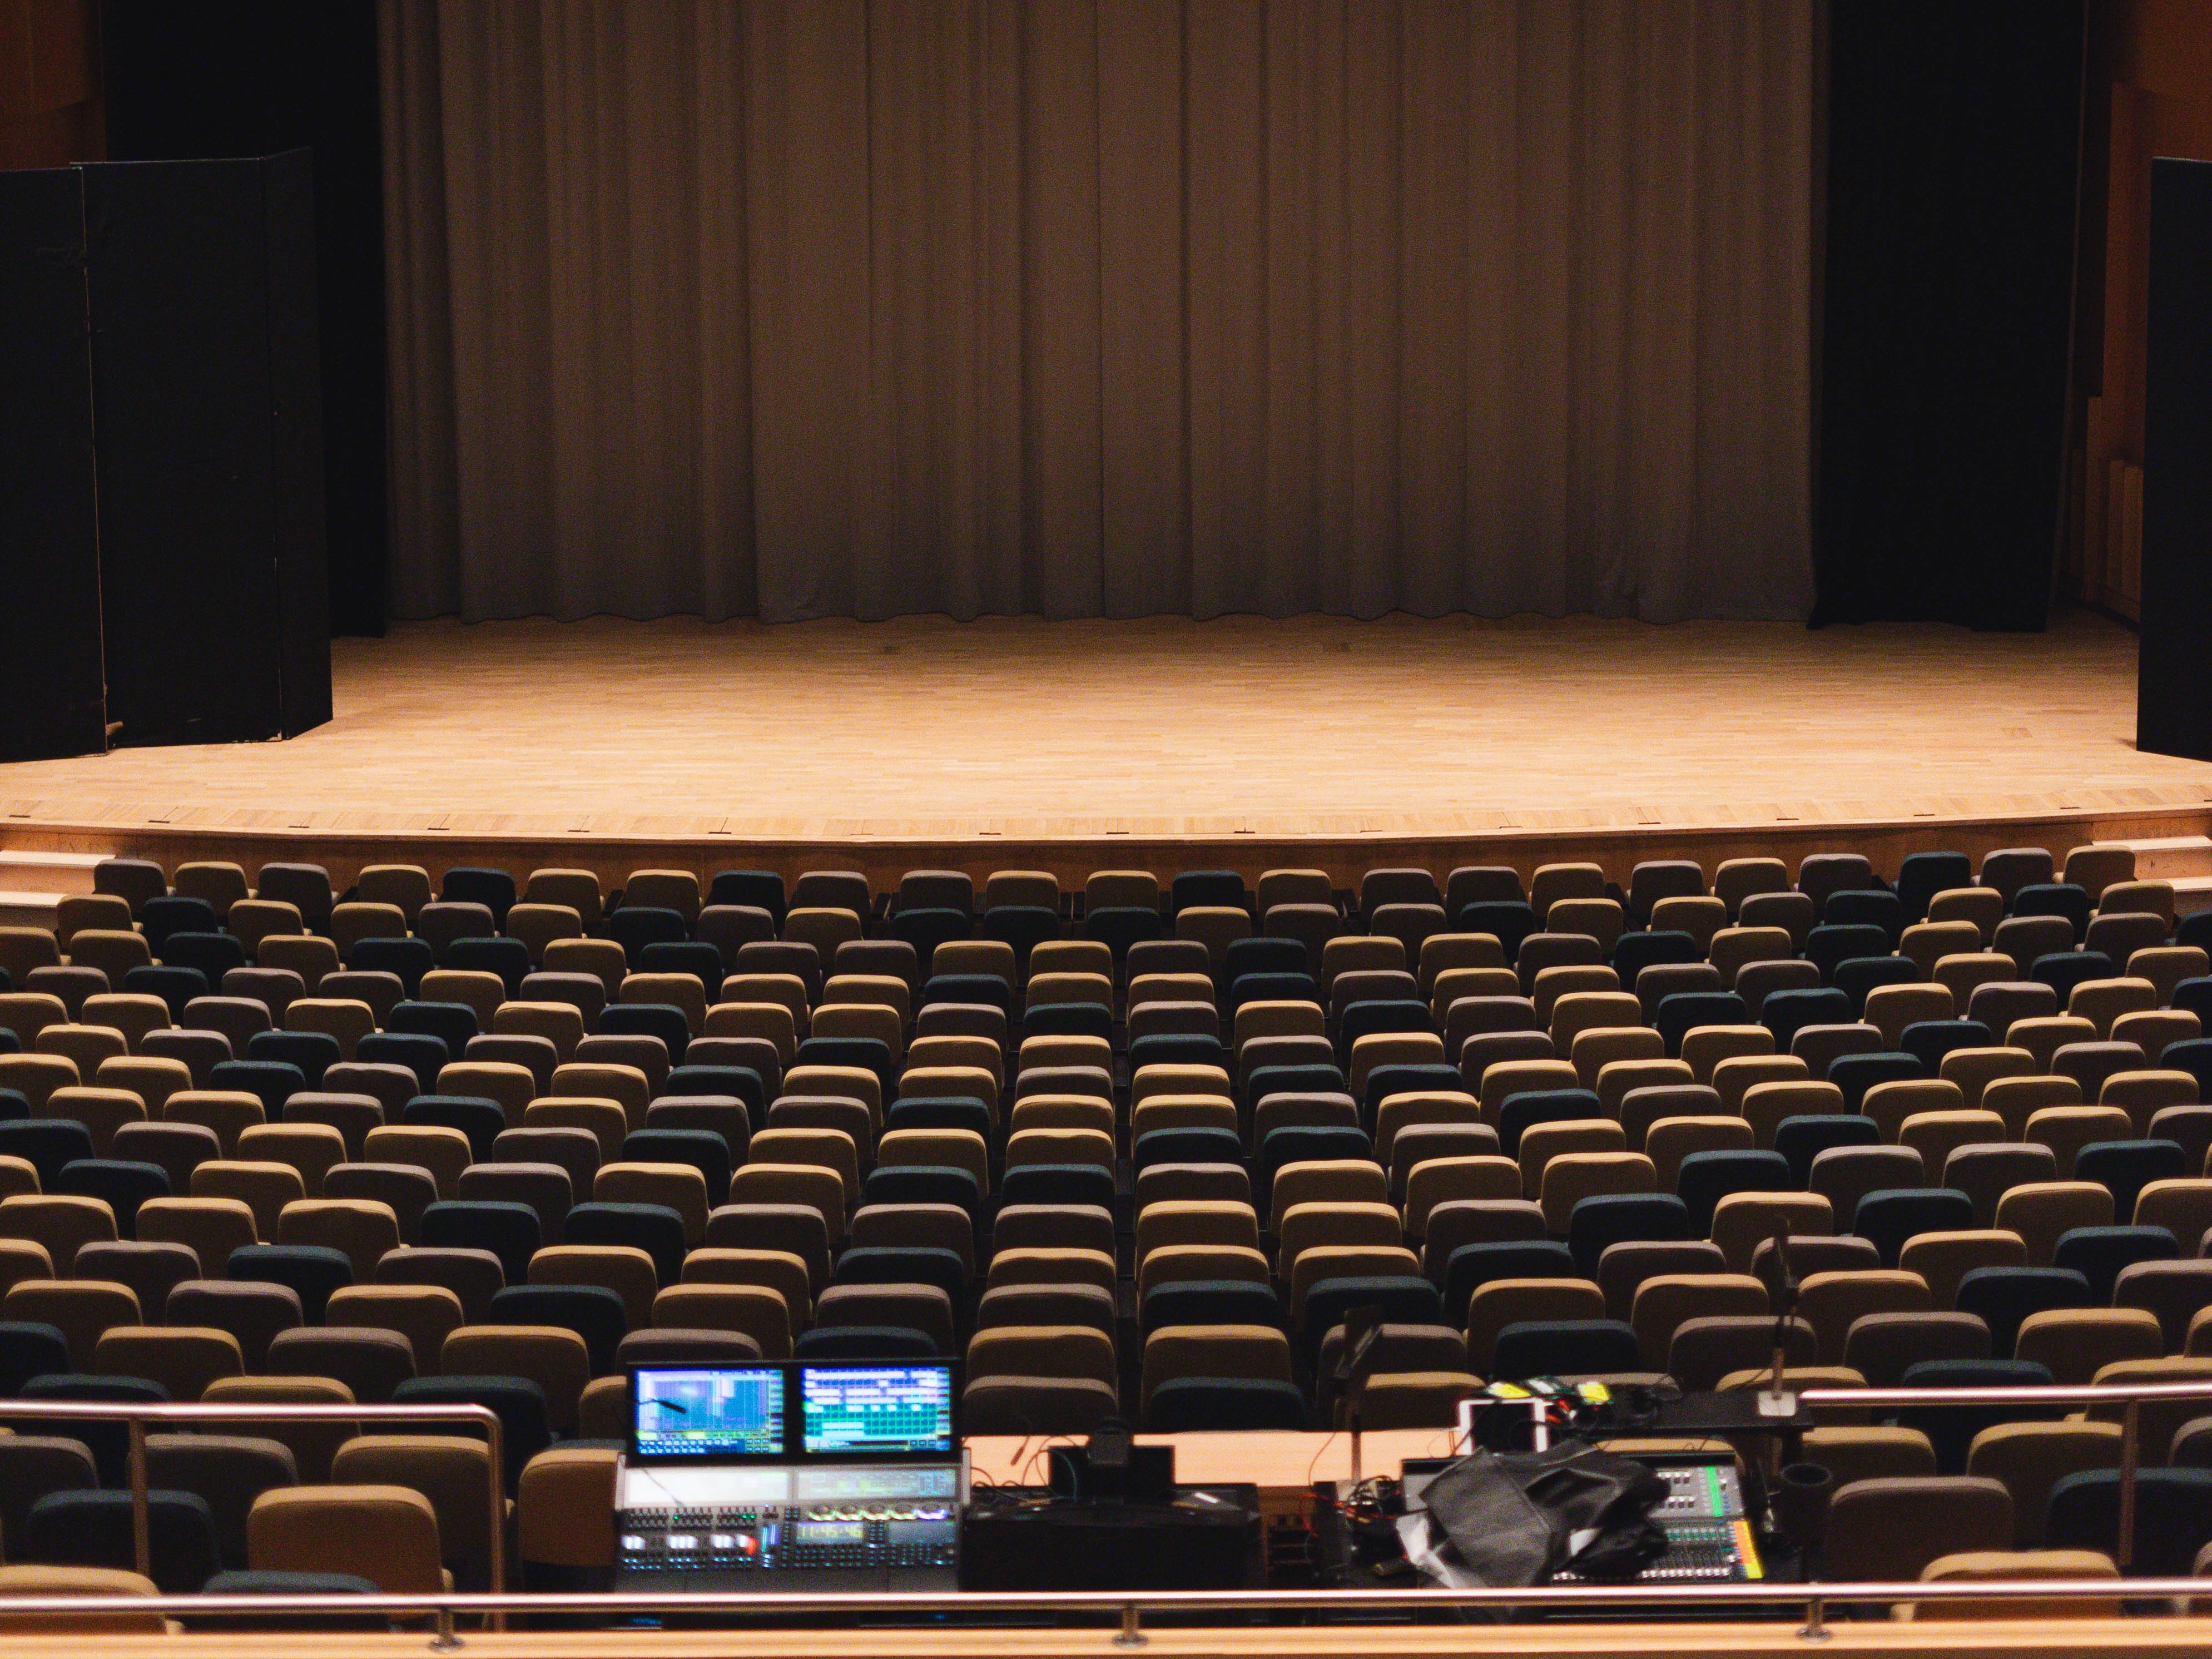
x: 50, y: 109
x: 2158, y: 55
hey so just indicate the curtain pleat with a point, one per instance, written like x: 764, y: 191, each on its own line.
x: 867, y: 308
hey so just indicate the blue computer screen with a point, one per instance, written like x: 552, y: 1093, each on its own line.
x: 709, y: 1412
x: 856, y: 1410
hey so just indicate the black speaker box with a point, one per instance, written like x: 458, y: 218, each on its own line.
x: 1199, y: 1538
x: 165, y: 524
x: 2173, y: 691
x: 50, y: 697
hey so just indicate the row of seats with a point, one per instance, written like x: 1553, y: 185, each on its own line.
x: 412, y: 1517
x: 231, y: 1512
x: 1126, y: 1167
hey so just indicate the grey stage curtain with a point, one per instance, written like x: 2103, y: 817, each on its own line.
x: 862, y: 307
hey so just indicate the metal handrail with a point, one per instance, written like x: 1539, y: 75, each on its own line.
x: 136, y: 1417
x: 1131, y: 1606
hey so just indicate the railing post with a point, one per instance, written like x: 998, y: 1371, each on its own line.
x: 1816, y: 1620
x: 445, y: 1641
x: 1132, y: 1635
x: 497, y: 1445
x: 2130, y: 1459
x: 141, y: 1524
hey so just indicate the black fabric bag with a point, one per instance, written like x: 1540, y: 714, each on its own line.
x: 1519, y: 1518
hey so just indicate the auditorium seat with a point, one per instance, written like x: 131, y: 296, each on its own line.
x: 1035, y: 1405
x: 2029, y: 1459
x: 1889, y: 1529
x: 2173, y: 1515
x: 91, y: 1529
x: 1309, y: 1103
x: 385, y: 1534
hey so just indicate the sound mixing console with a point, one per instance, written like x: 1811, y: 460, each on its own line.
x: 809, y: 1527
x: 795, y: 1477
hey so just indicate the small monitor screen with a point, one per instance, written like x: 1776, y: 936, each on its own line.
x: 709, y: 1412
x: 862, y: 1411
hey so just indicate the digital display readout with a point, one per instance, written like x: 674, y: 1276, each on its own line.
x: 737, y: 1412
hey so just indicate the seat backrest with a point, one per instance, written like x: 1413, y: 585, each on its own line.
x: 1832, y: 1301
x: 385, y: 1534
x: 1890, y: 1529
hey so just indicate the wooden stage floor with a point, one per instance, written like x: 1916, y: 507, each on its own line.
x: 1015, y: 741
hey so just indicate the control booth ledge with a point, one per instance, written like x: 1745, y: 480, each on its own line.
x: 2145, y: 1638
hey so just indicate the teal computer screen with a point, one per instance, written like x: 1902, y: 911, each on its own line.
x: 856, y: 1410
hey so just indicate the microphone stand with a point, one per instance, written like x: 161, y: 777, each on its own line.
x: 1351, y: 1372
x: 1773, y: 1399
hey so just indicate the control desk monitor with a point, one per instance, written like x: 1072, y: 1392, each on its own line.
x: 791, y: 1476
x: 793, y: 1412
x: 848, y: 1412
x: 707, y: 1414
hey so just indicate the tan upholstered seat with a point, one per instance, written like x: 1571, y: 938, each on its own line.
x: 1251, y: 1351
x: 1413, y: 1400
x: 1445, y: 1180
x: 1945, y: 1258
x: 387, y: 1535
x: 679, y: 1187
x: 85, y: 1045
x: 1664, y: 1302
x: 1570, y: 1177
x: 2029, y: 1459
x: 25, y: 1579
x: 1766, y: 1105
x: 102, y: 1112
x: 264, y: 1187
x: 1053, y: 1264
x: 1744, y: 1220
x: 1075, y: 1352
x: 605, y: 1120
x: 2143, y: 1094
x: 809, y: 1184
x: 59, y: 1222
x: 1884, y: 1531
x: 426, y: 1315
x: 1325, y: 1181
x: 210, y: 1227
x: 1733, y: 949
x: 83, y: 1310
x: 362, y: 1229
x: 1997, y: 1566
x: 183, y: 1358
x: 752, y: 1309
x: 1890, y: 1103
x: 36, y: 1076
x: 781, y: 1271
x: 1870, y: 1452
x: 1704, y: 1046
x: 626, y: 1085
x: 1503, y: 1302
x: 2039, y: 1212
x: 564, y: 1507
x: 2017, y: 1099
x: 2076, y: 1343
x: 1937, y: 1135
x: 311, y: 1150
x: 1196, y: 1223
x: 1832, y: 1301
x: 1974, y: 1069
x: 346, y: 1019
